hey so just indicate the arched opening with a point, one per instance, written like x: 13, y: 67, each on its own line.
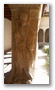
x: 40, y: 38
x: 40, y: 35
x: 47, y: 35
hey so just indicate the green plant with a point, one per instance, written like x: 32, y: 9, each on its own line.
x: 46, y: 65
x: 46, y: 50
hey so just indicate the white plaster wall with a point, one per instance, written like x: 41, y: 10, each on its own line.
x: 7, y: 34
x: 44, y: 24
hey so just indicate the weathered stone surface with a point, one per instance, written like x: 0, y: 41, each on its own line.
x: 24, y: 34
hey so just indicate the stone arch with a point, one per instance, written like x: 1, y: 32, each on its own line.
x: 47, y: 35
x: 7, y: 11
x: 40, y: 35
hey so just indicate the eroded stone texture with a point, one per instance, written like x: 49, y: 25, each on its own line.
x: 24, y: 37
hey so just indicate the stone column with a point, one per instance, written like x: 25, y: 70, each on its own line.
x: 44, y: 37
x: 24, y: 37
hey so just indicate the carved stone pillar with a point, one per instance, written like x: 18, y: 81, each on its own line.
x: 24, y: 37
x: 43, y: 36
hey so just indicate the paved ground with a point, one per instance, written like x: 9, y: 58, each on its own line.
x: 41, y: 76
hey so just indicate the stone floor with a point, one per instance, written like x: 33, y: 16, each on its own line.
x: 40, y: 76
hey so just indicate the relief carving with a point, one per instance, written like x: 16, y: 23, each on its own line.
x: 23, y: 53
